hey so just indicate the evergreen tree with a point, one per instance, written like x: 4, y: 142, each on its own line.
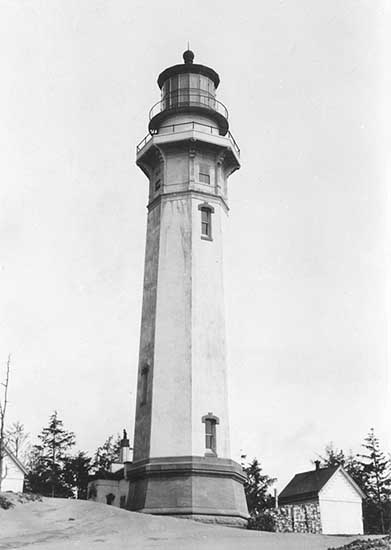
x: 372, y: 473
x: 256, y: 488
x: 76, y: 472
x: 377, y: 470
x: 106, y: 455
x: 350, y: 463
x: 48, y: 458
x: 332, y: 457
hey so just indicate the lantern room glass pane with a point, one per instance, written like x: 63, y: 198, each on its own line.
x: 183, y: 97
x: 194, y: 81
x: 194, y: 88
x: 166, y: 94
x: 211, y: 94
x: 188, y: 89
x: 204, y: 90
x: 174, y: 83
x: 173, y: 90
x: 184, y: 80
x: 204, y: 83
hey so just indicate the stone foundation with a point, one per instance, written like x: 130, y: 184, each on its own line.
x: 207, y: 489
x: 227, y: 521
x: 297, y: 518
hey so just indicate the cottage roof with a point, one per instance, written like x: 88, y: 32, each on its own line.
x: 17, y: 462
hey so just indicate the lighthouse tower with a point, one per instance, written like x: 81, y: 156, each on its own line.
x: 182, y: 461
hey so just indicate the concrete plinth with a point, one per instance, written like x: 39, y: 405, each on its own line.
x: 207, y: 489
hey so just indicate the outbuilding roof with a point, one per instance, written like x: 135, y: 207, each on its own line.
x: 119, y: 474
x: 307, y: 484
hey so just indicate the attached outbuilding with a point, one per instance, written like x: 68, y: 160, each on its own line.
x: 111, y: 487
x: 324, y: 500
x: 13, y: 473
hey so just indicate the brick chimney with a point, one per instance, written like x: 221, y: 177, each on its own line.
x: 124, y: 453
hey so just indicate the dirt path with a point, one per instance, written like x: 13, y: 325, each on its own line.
x: 58, y: 524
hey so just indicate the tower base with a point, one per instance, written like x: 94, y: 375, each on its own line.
x: 207, y: 489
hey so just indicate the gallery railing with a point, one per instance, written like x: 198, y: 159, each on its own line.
x: 188, y: 97
x: 185, y: 127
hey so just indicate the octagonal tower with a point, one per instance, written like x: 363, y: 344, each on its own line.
x: 182, y: 459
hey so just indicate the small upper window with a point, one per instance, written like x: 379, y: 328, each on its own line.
x: 158, y: 183
x: 204, y: 174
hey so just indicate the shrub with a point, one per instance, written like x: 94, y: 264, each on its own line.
x: 264, y: 521
x: 5, y: 503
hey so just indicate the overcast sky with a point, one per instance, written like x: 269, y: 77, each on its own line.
x: 307, y: 268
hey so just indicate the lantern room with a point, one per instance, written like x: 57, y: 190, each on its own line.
x: 188, y: 89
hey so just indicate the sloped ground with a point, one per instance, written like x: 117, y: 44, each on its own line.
x: 59, y: 524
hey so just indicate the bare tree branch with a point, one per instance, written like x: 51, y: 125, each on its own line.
x: 3, y: 410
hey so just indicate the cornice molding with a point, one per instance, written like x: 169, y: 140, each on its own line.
x: 193, y: 193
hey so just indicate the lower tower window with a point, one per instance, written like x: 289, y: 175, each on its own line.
x: 210, y: 422
x: 210, y: 435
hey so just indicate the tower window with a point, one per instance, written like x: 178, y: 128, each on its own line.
x: 210, y: 435
x: 158, y: 184
x: 144, y: 384
x: 206, y: 229
x: 204, y: 175
x: 206, y: 220
x: 210, y: 422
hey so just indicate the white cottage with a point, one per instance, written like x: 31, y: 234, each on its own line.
x: 330, y: 494
x: 13, y: 472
